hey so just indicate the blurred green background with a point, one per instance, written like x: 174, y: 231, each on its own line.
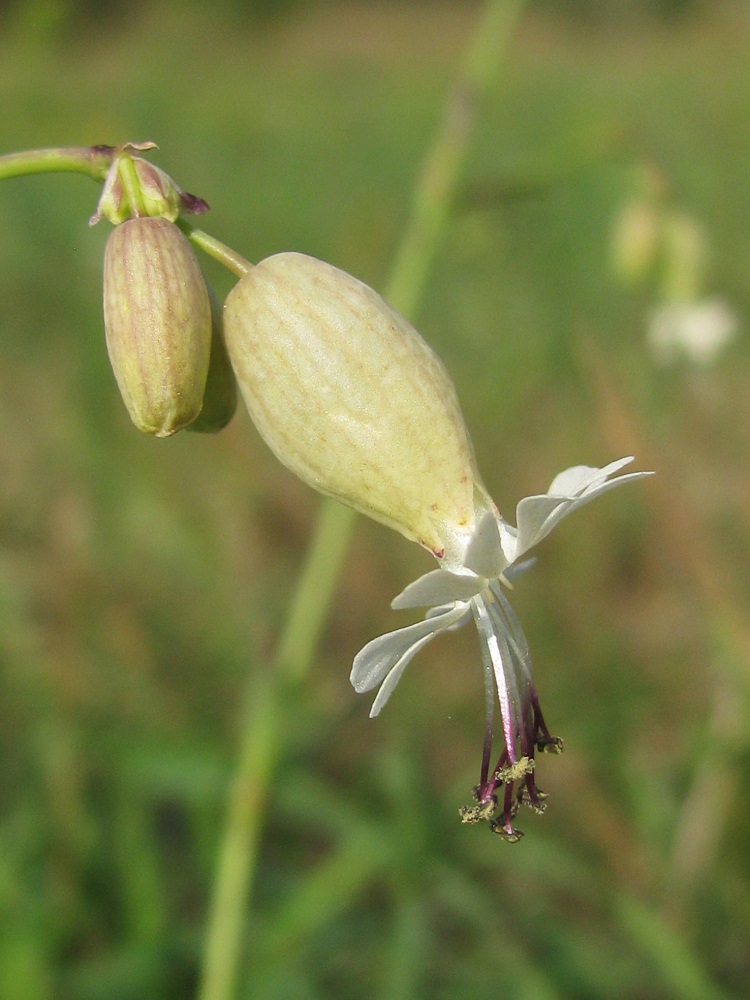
x: 143, y: 582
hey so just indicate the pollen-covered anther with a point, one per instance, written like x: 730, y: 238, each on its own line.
x: 510, y: 773
x: 470, y: 814
x: 535, y: 800
x: 481, y: 812
x: 550, y: 744
x: 509, y: 834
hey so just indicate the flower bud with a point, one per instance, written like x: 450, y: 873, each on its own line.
x: 220, y: 397
x: 350, y: 398
x: 157, y: 319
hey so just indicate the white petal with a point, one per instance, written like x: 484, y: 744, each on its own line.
x: 509, y: 540
x: 510, y: 574
x: 439, y: 586
x: 484, y: 554
x: 537, y: 516
x: 373, y: 662
x: 394, y: 675
x: 571, y: 482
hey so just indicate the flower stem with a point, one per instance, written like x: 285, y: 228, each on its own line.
x: 91, y: 160
x: 216, y: 249
x: 261, y: 736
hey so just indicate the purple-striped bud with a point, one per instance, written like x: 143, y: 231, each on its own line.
x: 157, y: 318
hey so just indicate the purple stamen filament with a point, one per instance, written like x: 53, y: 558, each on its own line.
x: 507, y: 670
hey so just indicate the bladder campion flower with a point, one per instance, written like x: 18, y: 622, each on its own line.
x: 351, y: 399
x: 698, y: 331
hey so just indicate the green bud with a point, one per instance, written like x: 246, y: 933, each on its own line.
x: 220, y: 397
x: 157, y: 318
x: 350, y: 398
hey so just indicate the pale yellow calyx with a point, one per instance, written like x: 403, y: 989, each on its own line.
x: 350, y: 397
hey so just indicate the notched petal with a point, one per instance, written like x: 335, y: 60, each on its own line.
x: 536, y: 516
x: 394, y: 674
x: 573, y: 481
x: 378, y: 657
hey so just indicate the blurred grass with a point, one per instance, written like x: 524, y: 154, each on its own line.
x: 141, y: 582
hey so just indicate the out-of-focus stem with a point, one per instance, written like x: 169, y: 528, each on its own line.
x: 91, y: 160
x: 687, y: 542
x: 261, y: 732
x: 435, y: 190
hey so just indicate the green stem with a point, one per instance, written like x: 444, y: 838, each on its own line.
x: 436, y: 188
x: 241, y: 841
x: 315, y: 590
x: 216, y: 249
x: 261, y: 735
x: 91, y: 160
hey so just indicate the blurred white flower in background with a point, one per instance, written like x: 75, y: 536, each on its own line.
x: 660, y: 246
x: 695, y: 331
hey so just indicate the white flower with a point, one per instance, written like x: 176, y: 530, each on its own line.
x: 698, y: 331
x: 352, y: 400
x: 473, y: 590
